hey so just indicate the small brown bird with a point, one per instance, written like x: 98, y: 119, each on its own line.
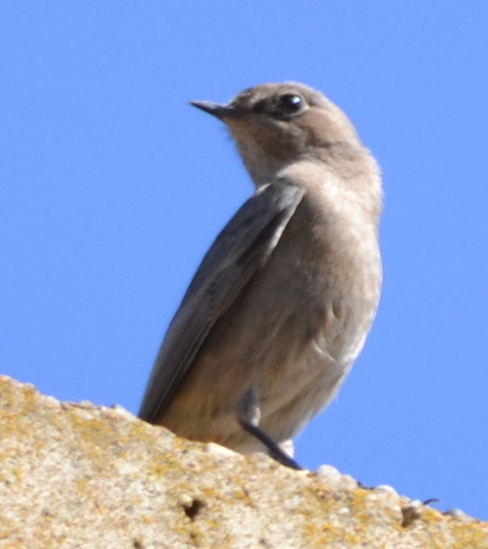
x: 281, y: 305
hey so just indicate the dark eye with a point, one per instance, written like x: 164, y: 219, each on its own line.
x: 280, y: 107
x: 291, y: 103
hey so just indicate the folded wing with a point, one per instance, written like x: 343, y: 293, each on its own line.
x: 239, y: 251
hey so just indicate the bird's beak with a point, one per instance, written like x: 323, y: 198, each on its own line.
x: 222, y: 112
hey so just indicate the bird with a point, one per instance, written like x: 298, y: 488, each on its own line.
x: 281, y: 304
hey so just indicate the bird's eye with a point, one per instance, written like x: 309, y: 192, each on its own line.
x: 280, y: 107
x: 291, y: 103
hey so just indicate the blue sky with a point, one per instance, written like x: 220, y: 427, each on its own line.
x: 112, y: 188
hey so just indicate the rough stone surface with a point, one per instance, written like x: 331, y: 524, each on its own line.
x: 83, y: 476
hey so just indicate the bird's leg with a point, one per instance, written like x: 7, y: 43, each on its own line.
x: 248, y: 416
x: 275, y: 451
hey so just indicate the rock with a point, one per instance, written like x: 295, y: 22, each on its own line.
x: 85, y: 476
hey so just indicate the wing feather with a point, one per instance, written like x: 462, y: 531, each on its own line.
x: 237, y: 253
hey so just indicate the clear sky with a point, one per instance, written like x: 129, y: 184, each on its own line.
x: 112, y: 188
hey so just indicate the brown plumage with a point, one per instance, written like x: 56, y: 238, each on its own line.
x: 283, y: 301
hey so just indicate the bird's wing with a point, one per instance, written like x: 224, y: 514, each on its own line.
x: 242, y: 248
